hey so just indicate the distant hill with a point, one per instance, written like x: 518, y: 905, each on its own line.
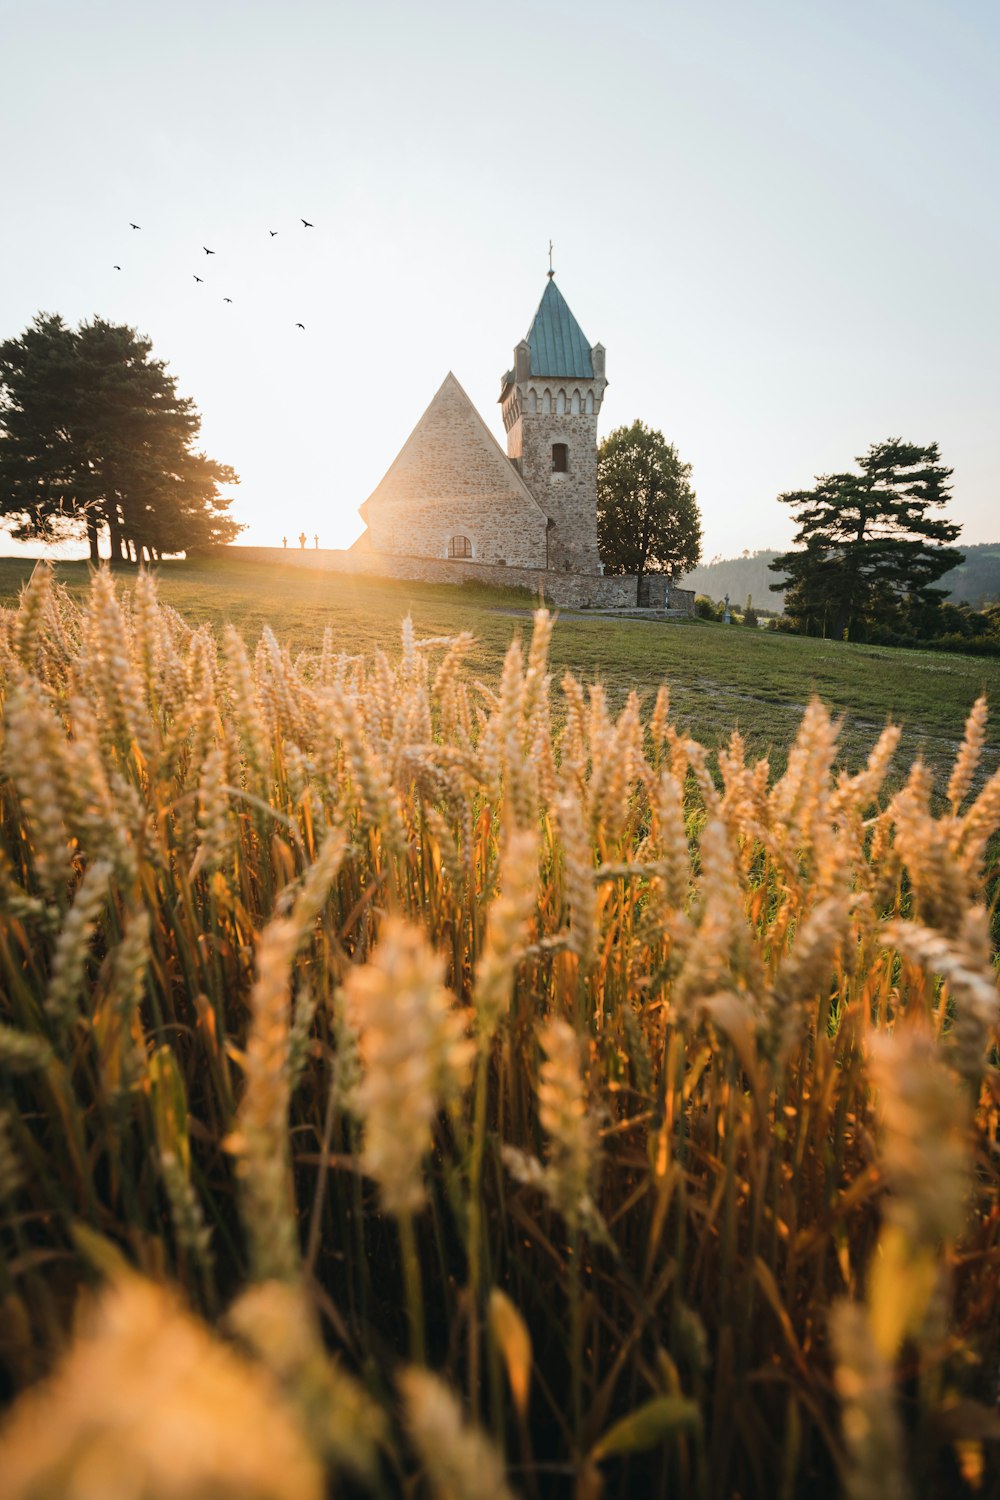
x: 737, y: 577
x: 976, y: 582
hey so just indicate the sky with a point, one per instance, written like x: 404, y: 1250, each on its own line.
x: 781, y: 219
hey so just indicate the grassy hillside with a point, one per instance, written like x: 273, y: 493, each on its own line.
x: 976, y: 582
x: 720, y: 678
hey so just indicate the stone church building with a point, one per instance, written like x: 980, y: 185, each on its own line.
x: 453, y: 493
x: 455, y: 508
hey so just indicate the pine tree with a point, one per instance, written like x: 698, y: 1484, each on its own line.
x: 93, y: 434
x: 869, y: 545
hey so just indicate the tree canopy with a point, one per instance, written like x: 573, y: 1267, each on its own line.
x: 93, y: 434
x: 869, y: 545
x: 647, y: 515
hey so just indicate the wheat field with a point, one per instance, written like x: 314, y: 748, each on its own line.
x: 402, y: 1096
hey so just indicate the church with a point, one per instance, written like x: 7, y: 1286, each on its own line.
x: 453, y: 493
x: 455, y: 508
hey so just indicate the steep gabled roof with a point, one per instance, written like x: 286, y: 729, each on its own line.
x: 558, y: 345
x: 451, y: 412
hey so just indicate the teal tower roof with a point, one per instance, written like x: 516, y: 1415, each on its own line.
x: 558, y: 345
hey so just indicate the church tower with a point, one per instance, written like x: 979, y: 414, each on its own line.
x: 550, y: 402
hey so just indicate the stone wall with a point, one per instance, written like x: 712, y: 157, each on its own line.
x: 569, y: 498
x: 565, y: 590
x: 452, y: 479
x: 680, y: 601
x: 538, y: 414
x: 498, y: 534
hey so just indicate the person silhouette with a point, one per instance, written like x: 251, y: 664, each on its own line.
x: 284, y: 541
x: 302, y: 540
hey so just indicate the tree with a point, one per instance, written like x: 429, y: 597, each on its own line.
x: 93, y: 434
x: 869, y: 544
x: 647, y: 516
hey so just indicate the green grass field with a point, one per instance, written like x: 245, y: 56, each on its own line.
x: 720, y: 677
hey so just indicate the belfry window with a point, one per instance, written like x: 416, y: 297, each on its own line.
x: 560, y: 458
x: 459, y: 546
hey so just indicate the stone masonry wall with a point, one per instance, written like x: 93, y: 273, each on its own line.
x: 452, y: 478
x: 570, y: 498
x: 565, y: 590
x: 499, y: 531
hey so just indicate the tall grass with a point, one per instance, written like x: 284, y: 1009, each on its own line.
x: 480, y: 1106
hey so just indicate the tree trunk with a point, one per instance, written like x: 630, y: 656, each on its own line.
x: 115, y: 533
x: 845, y: 611
x: 92, y: 538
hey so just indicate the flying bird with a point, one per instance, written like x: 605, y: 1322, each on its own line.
x: 116, y: 268
x: 301, y: 325
x: 227, y: 299
x: 272, y: 233
x: 207, y: 250
x: 134, y: 226
x: 308, y: 225
x: 199, y: 278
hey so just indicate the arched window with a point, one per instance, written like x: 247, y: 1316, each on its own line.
x: 575, y: 404
x: 560, y: 458
x: 561, y: 404
x: 546, y: 402
x: 459, y: 546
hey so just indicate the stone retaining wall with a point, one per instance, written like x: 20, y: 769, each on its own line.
x: 565, y: 590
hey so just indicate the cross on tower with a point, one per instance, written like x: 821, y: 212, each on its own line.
x: 551, y: 272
